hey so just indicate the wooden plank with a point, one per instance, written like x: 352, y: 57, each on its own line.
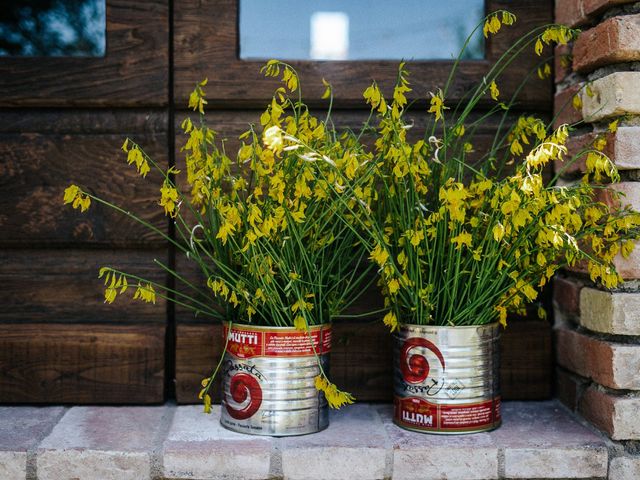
x: 133, y: 71
x: 526, y: 360
x: 198, y: 349
x: 36, y: 167
x: 81, y: 363
x: 361, y: 360
x: 206, y: 36
x: 62, y: 286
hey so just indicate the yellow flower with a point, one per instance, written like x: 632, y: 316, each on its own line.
x: 498, y: 232
x: 613, y: 126
x: 393, y: 286
x: 493, y: 89
x: 207, y: 403
x: 169, y: 199
x: 135, y: 156
x: 491, y: 25
x: 299, y: 323
x: 335, y: 398
x: 75, y: 196
x: 379, y: 255
x: 502, y: 315
x: 391, y: 321
x: 463, y: 238
x: 273, y: 138
x: 437, y: 104
x: 577, y: 101
x: 145, y: 293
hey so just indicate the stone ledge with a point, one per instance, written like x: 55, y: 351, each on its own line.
x: 537, y: 440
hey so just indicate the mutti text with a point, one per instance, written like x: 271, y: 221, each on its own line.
x: 246, y: 338
x: 417, y: 418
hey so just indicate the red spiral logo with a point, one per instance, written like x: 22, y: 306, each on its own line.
x: 415, y: 367
x: 243, y: 386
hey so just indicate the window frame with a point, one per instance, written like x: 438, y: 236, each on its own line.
x: 132, y: 73
x: 206, y: 45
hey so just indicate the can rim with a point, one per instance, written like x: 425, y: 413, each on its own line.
x: 266, y: 328
x: 449, y: 327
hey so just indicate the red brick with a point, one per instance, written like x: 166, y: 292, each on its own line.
x: 563, y: 106
x: 615, y: 40
x: 569, y: 387
x: 613, y: 365
x: 616, y: 415
x: 566, y: 295
x: 579, y: 12
x: 569, y: 12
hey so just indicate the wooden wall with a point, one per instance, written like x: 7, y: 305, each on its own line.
x: 63, y: 121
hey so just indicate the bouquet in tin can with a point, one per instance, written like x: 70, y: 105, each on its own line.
x: 462, y: 236
x: 261, y: 225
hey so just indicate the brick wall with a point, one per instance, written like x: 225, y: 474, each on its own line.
x: 597, y: 332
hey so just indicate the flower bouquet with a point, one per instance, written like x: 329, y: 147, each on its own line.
x: 280, y: 256
x: 460, y: 237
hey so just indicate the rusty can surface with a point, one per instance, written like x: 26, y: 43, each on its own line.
x: 268, y: 380
x: 446, y: 379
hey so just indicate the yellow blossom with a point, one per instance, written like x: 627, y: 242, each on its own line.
x: 437, y: 104
x: 169, y: 199
x: 273, y: 138
x: 493, y: 89
x: 77, y: 198
x: 391, y: 321
x: 463, y: 238
x: 299, y: 323
x: 335, y: 398
x: 380, y: 255
x: 145, y: 293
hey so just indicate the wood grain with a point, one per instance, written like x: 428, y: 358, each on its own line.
x: 361, y: 360
x: 81, y: 363
x: 206, y: 37
x: 134, y: 71
x: 62, y: 286
x: 49, y: 154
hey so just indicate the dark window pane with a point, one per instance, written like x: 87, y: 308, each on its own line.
x: 359, y: 29
x: 52, y: 28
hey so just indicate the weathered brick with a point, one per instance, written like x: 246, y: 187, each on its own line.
x: 566, y: 295
x: 13, y: 465
x: 614, y: 95
x: 545, y: 442
x: 354, y: 447
x: 605, y: 312
x: 579, y: 12
x: 569, y: 12
x: 21, y: 430
x: 624, y: 468
x: 613, y: 365
x: 563, y: 106
x: 616, y: 415
x: 623, y: 148
x: 197, y: 446
x: 615, y: 40
x: 419, y: 456
x: 569, y: 387
x: 105, y: 443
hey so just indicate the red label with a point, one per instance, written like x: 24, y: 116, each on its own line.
x: 246, y: 342
x: 416, y: 413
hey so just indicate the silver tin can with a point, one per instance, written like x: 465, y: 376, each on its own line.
x: 447, y: 379
x: 268, y: 380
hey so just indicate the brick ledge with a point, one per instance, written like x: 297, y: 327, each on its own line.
x: 536, y: 440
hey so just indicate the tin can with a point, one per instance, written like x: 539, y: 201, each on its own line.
x: 447, y: 379
x: 268, y: 380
